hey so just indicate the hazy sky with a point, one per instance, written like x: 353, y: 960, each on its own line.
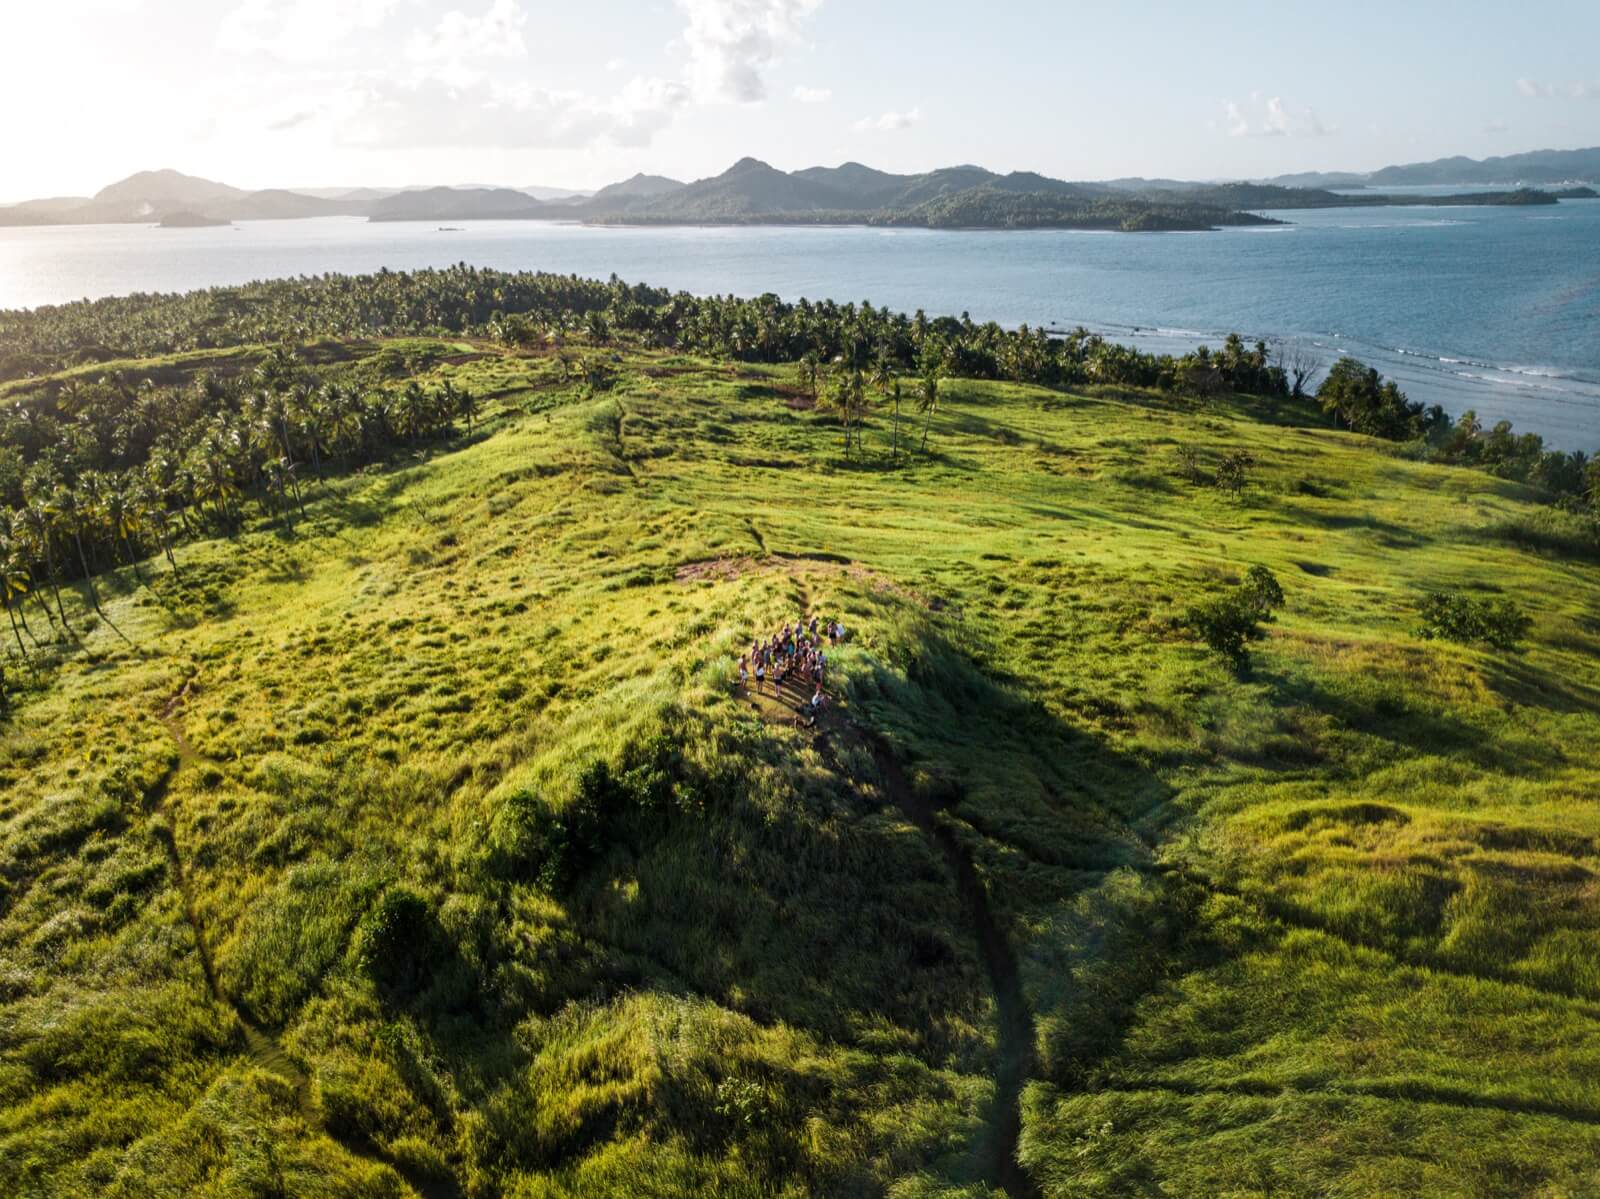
x: 583, y: 92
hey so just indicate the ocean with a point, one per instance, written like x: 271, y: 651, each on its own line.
x: 1494, y: 309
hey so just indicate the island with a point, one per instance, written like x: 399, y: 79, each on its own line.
x: 753, y: 192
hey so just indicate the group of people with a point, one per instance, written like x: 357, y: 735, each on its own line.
x: 794, y: 653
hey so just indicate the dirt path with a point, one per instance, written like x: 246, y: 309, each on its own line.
x: 264, y: 1049
x: 1015, y: 1021
x: 1016, y: 1032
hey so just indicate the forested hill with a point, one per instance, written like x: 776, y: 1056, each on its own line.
x: 1199, y: 800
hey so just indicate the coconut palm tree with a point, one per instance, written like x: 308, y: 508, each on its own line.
x: 811, y: 375
x: 79, y: 516
x: 14, y: 585
x: 74, y: 513
x: 155, y: 516
x: 214, y: 482
x: 928, y: 388
x: 466, y: 406
x: 895, y: 396
x: 122, y: 516
x: 849, y: 397
x: 277, y: 473
x: 41, y: 524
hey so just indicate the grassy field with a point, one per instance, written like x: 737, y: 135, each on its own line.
x: 427, y: 848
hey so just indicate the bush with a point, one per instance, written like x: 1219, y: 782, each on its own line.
x: 531, y: 840
x: 1233, y: 472
x: 1569, y: 532
x: 1189, y: 464
x: 1500, y: 623
x: 397, y: 940
x: 1231, y: 621
x: 1261, y: 590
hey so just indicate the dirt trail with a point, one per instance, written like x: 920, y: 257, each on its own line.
x: 786, y: 705
x: 1016, y: 1032
x: 264, y: 1049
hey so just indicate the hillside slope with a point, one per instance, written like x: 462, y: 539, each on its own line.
x: 423, y: 843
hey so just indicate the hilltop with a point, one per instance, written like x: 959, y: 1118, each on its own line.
x: 391, y: 820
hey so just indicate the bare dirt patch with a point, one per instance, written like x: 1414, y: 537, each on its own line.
x: 721, y: 569
x: 727, y: 570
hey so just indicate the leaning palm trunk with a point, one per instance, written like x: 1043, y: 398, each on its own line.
x: 17, y: 633
x: 49, y: 616
x: 55, y: 587
x: 133, y: 559
x: 88, y: 576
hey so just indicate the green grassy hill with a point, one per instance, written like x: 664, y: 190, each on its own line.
x: 425, y: 846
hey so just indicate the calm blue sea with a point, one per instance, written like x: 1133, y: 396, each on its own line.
x: 1496, y: 309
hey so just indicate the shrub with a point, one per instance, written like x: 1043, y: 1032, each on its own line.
x: 531, y: 840
x: 1261, y: 590
x: 396, y: 941
x: 1233, y: 472
x: 1189, y: 464
x: 1231, y: 621
x: 1500, y: 623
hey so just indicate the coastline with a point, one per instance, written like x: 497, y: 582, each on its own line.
x: 1525, y: 360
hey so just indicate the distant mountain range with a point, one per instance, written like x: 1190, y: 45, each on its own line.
x: 152, y: 196
x: 753, y: 192
x: 1537, y: 168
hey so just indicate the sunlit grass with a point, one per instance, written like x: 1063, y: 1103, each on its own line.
x: 1326, y: 928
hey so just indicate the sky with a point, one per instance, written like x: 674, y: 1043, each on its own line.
x: 580, y: 93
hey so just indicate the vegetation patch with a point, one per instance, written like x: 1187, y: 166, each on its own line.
x: 380, y: 809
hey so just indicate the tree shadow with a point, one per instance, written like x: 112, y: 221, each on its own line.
x: 1515, y: 680
x: 1387, y: 715
x: 1386, y: 533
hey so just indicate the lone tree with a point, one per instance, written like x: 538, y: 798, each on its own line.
x: 1299, y: 364
x: 1232, y: 620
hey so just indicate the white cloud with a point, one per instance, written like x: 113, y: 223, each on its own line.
x: 1497, y: 127
x: 298, y: 30
x: 435, y: 112
x: 450, y: 73
x: 292, y: 121
x: 813, y: 95
x: 458, y: 37
x: 1272, y: 119
x: 889, y: 122
x: 731, y: 43
x: 1535, y: 90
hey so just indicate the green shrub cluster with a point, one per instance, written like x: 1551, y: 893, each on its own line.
x: 1450, y: 616
x: 397, y: 940
x: 533, y: 840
